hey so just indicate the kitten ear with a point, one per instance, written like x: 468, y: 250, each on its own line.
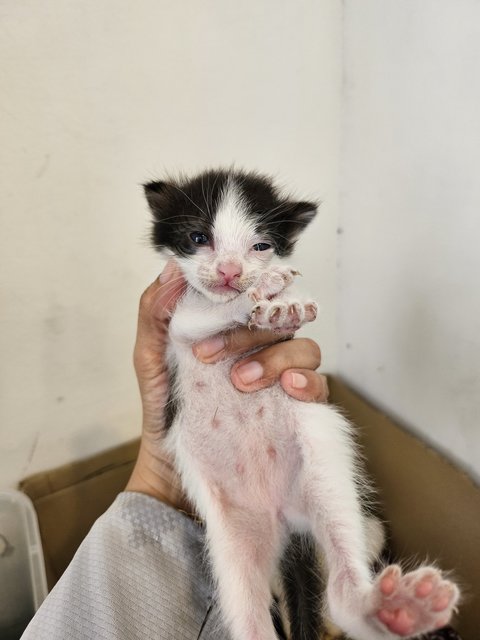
x: 157, y: 194
x: 291, y: 221
x: 303, y: 213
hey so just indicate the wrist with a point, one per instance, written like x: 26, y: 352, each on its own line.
x: 154, y: 475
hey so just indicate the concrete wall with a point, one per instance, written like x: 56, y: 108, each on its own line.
x: 96, y: 98
x: 409, y: 262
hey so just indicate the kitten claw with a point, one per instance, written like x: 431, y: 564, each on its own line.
x: 281, y: 316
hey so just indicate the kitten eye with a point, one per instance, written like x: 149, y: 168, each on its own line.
x: 199, y: 238
x: 261, y: 246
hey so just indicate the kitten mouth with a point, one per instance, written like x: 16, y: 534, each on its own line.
x: 219, y: 288
x: 225, y: 288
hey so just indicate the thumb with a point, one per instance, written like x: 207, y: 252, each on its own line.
x: 156, y: 306
x: 171, y: 285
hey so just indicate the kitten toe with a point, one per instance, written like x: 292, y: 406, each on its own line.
x: 413, y: 603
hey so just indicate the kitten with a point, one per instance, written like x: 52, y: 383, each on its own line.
x: 262, y: 466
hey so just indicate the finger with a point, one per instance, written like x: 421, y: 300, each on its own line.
x: 172, y: 286
x: 160, y: 298
x: 305, y: 385
x: 156, y: 305
x: 263, y: 368
x: 234, y: 342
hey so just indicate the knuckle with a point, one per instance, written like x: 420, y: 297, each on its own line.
x: 237, y: 341
x: 313, y: 350
x: 322, y: 388
x: 145, y: 299
x: 326, y: 390
x: 148, y: 297
x: 263, y: 338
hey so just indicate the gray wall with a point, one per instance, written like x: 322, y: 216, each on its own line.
x: 409, y: 258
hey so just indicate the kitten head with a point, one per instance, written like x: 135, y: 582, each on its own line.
x: 224, y: 227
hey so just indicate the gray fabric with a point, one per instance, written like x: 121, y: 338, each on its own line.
x: 139, y: 574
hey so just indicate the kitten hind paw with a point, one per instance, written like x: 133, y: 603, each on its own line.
x: 413, y: 603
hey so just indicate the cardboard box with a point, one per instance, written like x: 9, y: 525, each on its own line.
x: 433, y: 508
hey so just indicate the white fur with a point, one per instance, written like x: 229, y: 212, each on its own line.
x: 261, y: 465
x: 234, y: 236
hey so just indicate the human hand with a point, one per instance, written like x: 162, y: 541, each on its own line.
x: 291, y: 362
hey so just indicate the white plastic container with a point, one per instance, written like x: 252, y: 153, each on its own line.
x: 23, y: 584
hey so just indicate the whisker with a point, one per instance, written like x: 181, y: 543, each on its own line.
x: 181, y: 215
x: 290, y: 220
x: 285, y: 205
x: 279, y: 206
x: 170, y: 298
x: 204, y: 198
x: 214, y: 185
x: 173, y: 281
x: 188, y: 197
x: 170, y: 283
x: 210, y: 190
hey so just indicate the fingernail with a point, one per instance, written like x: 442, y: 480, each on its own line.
x: 210, y: 347
x: 167, y: 272
x: 326, y: 390
x: 299, y: 381
x: 250, y: 372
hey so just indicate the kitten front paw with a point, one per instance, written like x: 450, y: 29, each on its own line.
x: 413, y: 603
x: 271, y: 283
x: 282, y: 316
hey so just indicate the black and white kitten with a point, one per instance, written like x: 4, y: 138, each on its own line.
x: 260, y: 467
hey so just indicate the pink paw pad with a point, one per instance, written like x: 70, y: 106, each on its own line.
x: 271, y: 283
x: 415, y: 602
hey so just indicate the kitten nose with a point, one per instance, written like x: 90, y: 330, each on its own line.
x: 229, y: 271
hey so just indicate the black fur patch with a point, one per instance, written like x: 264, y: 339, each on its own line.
x: 277, y: 621
x: 181, y: 207
x: 304, y: 587
x: 172, y: 406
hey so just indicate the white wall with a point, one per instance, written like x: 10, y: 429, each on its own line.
x: 96, y: 98
x: 409, y: 263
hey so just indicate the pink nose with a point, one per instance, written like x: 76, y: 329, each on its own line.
x: 229, y: 271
